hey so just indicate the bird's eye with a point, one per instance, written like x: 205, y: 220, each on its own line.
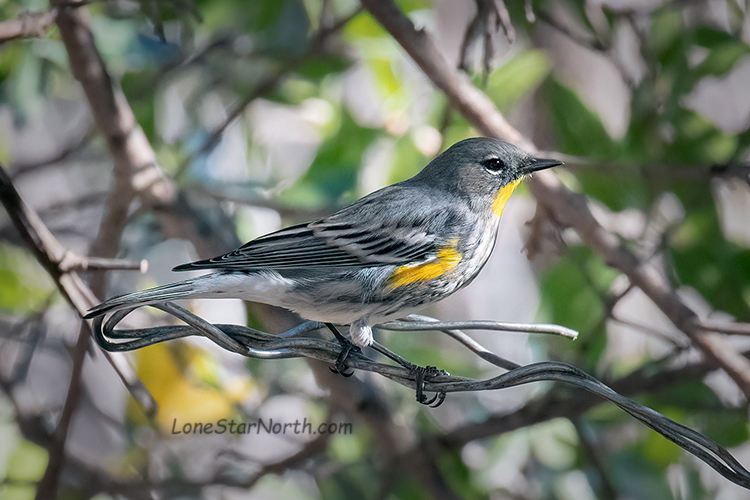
x: 493, y: 165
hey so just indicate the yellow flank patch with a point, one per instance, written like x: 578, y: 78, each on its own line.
x: 447, y: 259
x: 502, y: 197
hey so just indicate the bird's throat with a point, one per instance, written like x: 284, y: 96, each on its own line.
x: 502, y: 197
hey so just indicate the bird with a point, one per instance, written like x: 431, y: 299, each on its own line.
x: 388, y: 254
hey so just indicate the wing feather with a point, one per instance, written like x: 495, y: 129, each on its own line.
x: 370, y: 232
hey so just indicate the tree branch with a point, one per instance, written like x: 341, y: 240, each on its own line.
x: 257, y: 344
x: 136, y: 172
x: 28, y: 25
x: 51, y: 255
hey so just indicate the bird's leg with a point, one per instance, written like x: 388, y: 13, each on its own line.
x: 394, y: 357
x: 420, y: 374
x: 346, y: 347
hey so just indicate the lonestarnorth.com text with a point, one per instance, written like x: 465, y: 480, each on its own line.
x: 262, y: 426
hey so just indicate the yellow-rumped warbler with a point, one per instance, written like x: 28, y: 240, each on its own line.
x: 380, y: 258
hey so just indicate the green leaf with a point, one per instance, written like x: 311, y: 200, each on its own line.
x: 459, y: 476
x: 729, y: 427
x: 263, y: 14
x: 27, y: 463
x: 315, y: 68
x: 334, y: 171
x: 519, y: 76
x: 658, y: 450
x: 579, y: 130
x: 711, y: 37
x: 665, y: 31
x: 386, y: 80
x: 407, y: 160
x: 23, y: 283
x: 722, y: 59
x: 407, y: 6
x: 17, y: 492
x: 364, y: 26
x: 348, y: 448
x: 697, y: 141
x: 568, y: 294
x: 718, y: 269
x: 409, y: 487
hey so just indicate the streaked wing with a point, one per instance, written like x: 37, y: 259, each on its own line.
x: 367, y: 233
x: 377, y: 245
x: 299, y: 247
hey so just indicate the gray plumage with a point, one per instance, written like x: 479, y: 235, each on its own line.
x: 340, y: 269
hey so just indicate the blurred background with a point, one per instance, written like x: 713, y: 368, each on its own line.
x: 266, y: 113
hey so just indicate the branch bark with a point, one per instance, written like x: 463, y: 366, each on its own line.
x: 135, y: 171
x: 293, y: 343
x: 568, y: 208
x: 28, y: 25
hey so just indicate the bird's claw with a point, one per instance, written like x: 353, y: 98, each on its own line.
x: 421, y: 373
x: 340, y: 367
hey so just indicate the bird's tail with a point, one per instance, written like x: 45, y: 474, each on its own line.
x: 180, y: 290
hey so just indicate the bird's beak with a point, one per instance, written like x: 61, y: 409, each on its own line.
x: 538, y: 164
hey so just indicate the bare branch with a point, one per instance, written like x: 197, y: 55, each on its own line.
x: 416, y: 322
x: 51, y: 254
x: 47, y: 250
x: 28, y: 25
x: 257, y: 344
x: 724, y: 327
x: 471, y: 102
x: 74, y: 262
x: 135, y: 170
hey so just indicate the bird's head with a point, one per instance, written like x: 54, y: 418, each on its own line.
x: 483, y: 170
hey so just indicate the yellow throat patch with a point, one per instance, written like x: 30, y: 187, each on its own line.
x: 447, y: 259
x: 502, y: 197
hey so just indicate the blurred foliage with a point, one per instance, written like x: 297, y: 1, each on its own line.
x: 185, y: 383
x: 24, y: 285
x: 26, y: 465
x: 210, y: 56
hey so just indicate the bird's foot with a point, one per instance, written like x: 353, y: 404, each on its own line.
x: 347, y: 348
x: 422, y: 373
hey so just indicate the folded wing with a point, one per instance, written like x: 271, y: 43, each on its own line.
x: 371, y: 232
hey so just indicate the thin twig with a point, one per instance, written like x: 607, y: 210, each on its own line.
x: 422, y: 323
x: 725, y: 327
x: 74, y: 262
x: 472, y: 345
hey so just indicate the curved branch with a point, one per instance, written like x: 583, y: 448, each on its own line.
x: 257, y: 344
